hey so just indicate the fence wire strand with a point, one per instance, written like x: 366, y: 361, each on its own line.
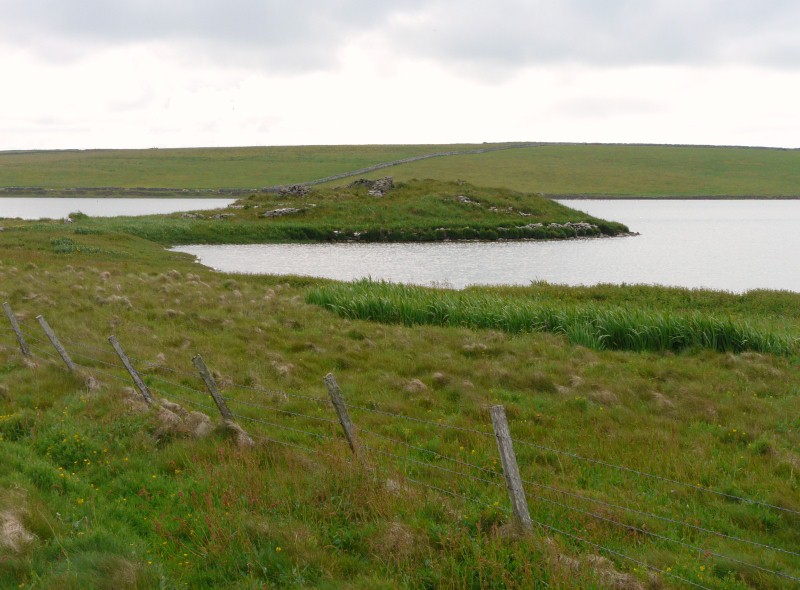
x: 432, y: 466
x: 652, y: 476
x: 318, y: 400
x: 279, y: 410
x: 289, y: 428
x: 551, y: 528
x: 665, y: 538
x: 656, y: 516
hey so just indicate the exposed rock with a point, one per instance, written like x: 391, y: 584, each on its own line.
x: 193, y: 216
x: 223, y: 216
x: 280, y: 212
x: 466, y: 200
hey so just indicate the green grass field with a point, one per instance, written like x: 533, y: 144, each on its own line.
x: 214, y: 168
x: 98, y: 491
x: 604, y: 170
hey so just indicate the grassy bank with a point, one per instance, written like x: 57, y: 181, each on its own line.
x: 107, y: 493
x: 410, y: 212
x: 598, y: 170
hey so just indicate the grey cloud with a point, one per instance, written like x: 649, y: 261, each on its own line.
x: 297, y: 34
x: 514, y: 33
x: 467, y: 34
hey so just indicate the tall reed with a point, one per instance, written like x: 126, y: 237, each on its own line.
x: 592, y: 325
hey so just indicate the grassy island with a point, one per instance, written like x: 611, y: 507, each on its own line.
x: 407, y: 212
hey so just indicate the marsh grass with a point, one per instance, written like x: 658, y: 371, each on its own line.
x: 600, y: 327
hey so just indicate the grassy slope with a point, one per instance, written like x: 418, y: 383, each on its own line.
x: 118, y: 499
x: 615, y: 170
x: 248, y: 167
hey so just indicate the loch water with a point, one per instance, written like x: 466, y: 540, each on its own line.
x: 61, y: 207
x: 730, y: 245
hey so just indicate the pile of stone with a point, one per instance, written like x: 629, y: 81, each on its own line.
x: 294, y: 190
x: 280, y: 212
x: 376, y: 188
x: 580, y: 227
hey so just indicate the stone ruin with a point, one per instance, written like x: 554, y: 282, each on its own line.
x: 375, y: 188
x: 294, y: 190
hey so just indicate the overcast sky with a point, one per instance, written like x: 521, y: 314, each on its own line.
x: 170, y: 73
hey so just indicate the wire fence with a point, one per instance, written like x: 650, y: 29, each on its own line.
x: 308, y: 426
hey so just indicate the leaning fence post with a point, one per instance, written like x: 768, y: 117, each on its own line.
x: 23, y: 346
x: 56, y: 343
x: 131, y: 370
x: 344, y: 418
x: 516, y: 492
x: 227, y: 415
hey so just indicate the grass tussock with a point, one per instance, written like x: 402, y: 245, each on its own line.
x: 599, y: 327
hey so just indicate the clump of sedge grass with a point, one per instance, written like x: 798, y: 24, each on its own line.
x: 594, y: 326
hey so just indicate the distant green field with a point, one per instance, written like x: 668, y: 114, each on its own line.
x: 591, y: 170
x: 246, y: 167
x: 617, y: 170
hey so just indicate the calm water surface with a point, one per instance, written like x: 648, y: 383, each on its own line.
x: 728, y: 245
x: 58, y: 208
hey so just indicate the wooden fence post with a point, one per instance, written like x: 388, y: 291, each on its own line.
x: 56, y: 343
x: 23, y: 346
x: 145, y: 391
x: 516, y: 492
x: 227, y: 415
x: 344, y: 418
